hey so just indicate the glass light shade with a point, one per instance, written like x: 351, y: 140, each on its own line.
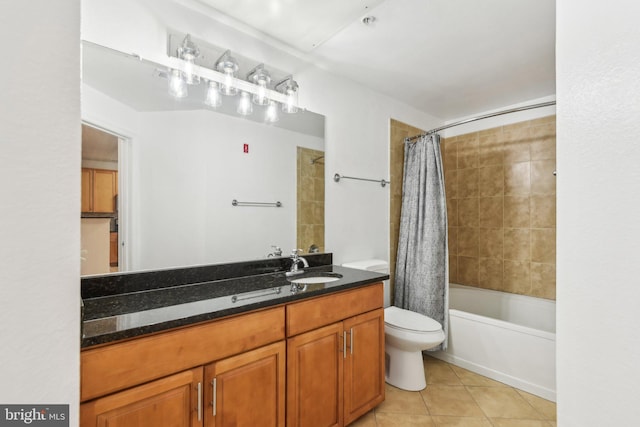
x: 188, y: 52
x: 260, y: 98
x: 228, y: 88
x: 213, y: 98
x: 261, y: 78
x: 271, y: 114
x: 289, y: 88
x: 177, y: 85
x: 229, y: 67
x: 244, y: 106
x: 291, y: 106
x: 189, y: 76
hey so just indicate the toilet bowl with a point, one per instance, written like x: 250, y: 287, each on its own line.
x: 407, y: 334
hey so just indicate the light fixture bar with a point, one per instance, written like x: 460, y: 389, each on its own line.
x: 257, y: 83
x: 212, y: 75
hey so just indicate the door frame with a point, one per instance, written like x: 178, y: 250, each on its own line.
x: 125, y: 208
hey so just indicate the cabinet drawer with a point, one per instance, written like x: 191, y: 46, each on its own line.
x: 119, y: 366
x: 315, y: 313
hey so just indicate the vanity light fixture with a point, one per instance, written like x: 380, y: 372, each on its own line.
x: 188, y: 52
x: 213, y: 99
x: 177, y: 84
x: 190, y: 64
x: 261, y: 78
x: 289, y: 88
x: 244, y: 106
x: 227, y: 65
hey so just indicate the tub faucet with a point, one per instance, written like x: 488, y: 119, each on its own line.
x: 295, y: 260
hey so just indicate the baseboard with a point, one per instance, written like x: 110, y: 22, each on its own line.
x: 518, y: 383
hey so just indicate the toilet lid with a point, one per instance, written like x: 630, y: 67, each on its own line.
x: 410, y: 320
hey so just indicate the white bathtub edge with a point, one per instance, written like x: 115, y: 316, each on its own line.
x: 518, y: 383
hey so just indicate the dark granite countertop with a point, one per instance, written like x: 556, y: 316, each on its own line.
x: 109, y: 316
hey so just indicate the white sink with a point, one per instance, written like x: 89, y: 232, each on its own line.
x: 314, y: 279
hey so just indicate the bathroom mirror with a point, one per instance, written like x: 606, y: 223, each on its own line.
x: 181, y: 164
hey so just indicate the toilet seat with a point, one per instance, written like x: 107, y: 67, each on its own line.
x: 401, y: 319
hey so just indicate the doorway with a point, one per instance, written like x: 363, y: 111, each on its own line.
x: 102, y: 202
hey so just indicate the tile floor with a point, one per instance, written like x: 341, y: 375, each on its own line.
x: 455, y: 397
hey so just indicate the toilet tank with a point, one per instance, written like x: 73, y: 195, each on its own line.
x: 377, y: 265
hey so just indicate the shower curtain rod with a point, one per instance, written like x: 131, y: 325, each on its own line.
x: 485, y: 116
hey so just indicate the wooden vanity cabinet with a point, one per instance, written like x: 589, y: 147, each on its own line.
x: 244, y: 390
x: 245, y: 355
x: 240, y: 371
x: 335, y: 373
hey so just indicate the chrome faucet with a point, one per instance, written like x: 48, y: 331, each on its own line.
x: 295, y: 260
x: 277, y: 252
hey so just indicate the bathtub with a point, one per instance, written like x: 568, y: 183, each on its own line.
x: 509, y: 338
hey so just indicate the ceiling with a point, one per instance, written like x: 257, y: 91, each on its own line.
x: 448, y: 58
x: 98, y: 145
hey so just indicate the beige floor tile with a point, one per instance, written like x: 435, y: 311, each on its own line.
x: 403, y: 420
x: 471, y: 378
x: 503, y: 402
x: 367, y: 420
x: 545, y: 407
x: 401, y: 401
x: 439, y: 372
x: 450, y: 400
x: 442, y: 421
x: 505, y: 422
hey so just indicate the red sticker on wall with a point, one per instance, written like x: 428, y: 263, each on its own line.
x: 246, y: 148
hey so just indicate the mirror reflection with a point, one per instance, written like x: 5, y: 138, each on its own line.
x: 160, y: 174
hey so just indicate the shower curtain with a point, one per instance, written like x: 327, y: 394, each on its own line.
x: 422, y: 266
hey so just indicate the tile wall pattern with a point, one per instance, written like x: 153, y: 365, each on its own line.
x: 501, y: 205
x: 310, y: 199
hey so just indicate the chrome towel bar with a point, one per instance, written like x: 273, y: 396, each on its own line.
x: 337, y: 177
x: 234, y: 202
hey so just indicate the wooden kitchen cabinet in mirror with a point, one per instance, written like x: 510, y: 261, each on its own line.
x: 99, y: 190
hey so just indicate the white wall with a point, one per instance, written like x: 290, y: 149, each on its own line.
x: 598, y: 187
x: 189, y: 166
x: 356, y: 127
x: 40, y: 204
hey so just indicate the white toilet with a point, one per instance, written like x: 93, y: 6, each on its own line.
x: 406, y: 335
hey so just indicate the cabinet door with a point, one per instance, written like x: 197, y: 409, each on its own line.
x: 364, y: 364
x: 173, y: 401
x: 113, y: 249
x: 103, y: 191
x: 314, y: 377
x: 87, y: 190
x: 247, y: 390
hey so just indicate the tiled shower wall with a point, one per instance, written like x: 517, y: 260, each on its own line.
x: 310, y: 197
x: 501, y: 206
